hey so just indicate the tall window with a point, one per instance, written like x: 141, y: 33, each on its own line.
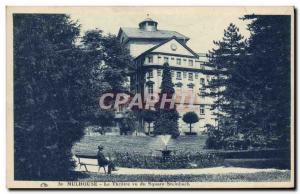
x: 202, y: 81
x: 150, y: 59
x: 150, y: 74
x: 202, y: 109
x: 159, y: 59
x: 159, y: 72
x: 184, y: 61
x: 150, y: 89
x: 172, y: 73
x: 191, y: 62
x: 166, y: 59
x: 190, y: 76
x: 202, y: 92
x: 196, y: 75
x: 178, y: 75
x: 178, y: 61
x: 184, y: 74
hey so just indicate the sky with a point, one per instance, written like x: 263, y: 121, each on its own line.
x: 201, y: 25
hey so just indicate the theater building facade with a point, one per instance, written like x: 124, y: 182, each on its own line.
x: 150, y: 48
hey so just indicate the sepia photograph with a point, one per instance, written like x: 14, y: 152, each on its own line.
x: 150, y: 97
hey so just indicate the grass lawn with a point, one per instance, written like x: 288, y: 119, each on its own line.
x: 248, y: 177
x: 137, y: 144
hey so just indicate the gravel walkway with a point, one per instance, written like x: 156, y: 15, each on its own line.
x: 214, y: 170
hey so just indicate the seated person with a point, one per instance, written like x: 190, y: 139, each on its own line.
x: 102, y: 161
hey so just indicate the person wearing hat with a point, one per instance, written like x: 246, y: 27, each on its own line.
x: 102, y: 161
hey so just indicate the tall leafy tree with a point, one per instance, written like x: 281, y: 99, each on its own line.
x: 111, y: 65
x: 166, y: 122
x: 57, y: 85
x: 49, y: 83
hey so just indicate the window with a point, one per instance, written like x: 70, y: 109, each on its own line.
x: 172, y: 73
x: 159, y: 59
x: 172, y: 58
x: 202, y: 92
x: 178, y: 61
x: 202, y: 81
x: 178, y: 75
x: 190, y: 86
x: 150, y: 59
x: 184, y: 61
x: 191, y: 62
x: 150, y: 89
x: 198, y: 64
x: 196, y: 75
x: 178, y: 85
x: 150, y: 74
x: 184, y: 74
x: 190, y: 76
x: 166, y: 59
x: 202, y: 109
x: 159, y: 72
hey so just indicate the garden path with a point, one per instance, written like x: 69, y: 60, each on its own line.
x: 195, y: 171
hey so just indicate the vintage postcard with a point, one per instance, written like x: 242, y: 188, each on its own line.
x: 150, y: 97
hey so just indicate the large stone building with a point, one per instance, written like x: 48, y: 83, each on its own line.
x: 151, y: 48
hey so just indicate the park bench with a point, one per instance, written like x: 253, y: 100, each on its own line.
x: 79, y: 156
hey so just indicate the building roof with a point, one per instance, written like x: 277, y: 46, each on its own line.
x: 158, y: 34
x: 164, y: 42
x: 148, y: 20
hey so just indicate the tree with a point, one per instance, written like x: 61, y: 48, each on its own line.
x: 111, y: 64
x: 167, y: 116
x: 224, y: 86
x: 104, y: 120
x: 267, y: 87
x: 49, y: 88
x: 190, y: 118
x: 57, y: 85
x: 221, y: 66
x: 256, y: 92
x: 149, y: 116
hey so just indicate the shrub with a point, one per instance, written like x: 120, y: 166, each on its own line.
x: 175, y: 161
x: 215, y: 138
